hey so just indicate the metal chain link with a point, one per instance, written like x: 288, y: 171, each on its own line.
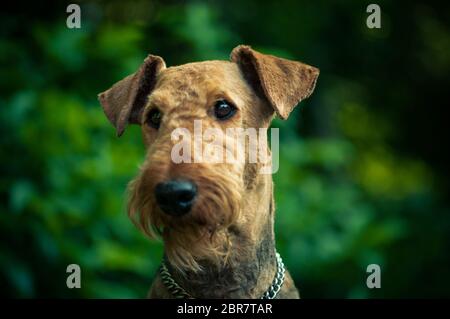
x: 273, y: 290
x: 178, y: 292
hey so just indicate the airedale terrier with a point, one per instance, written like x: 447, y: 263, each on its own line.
x: 216, y: 218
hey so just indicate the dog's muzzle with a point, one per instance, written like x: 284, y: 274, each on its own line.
x: 176, y: 197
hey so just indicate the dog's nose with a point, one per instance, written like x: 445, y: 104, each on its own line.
x: 176, y: 197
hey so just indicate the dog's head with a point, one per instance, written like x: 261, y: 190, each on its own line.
x: 192, y: 185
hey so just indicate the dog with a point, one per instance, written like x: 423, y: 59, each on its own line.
x: 216, y: 220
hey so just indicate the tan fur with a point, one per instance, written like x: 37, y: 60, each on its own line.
x: 285, y: 83
x: 234, y: 211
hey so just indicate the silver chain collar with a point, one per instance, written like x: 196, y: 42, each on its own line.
x: 178, y: 292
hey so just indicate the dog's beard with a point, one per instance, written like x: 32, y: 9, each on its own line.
x: 200, y: 235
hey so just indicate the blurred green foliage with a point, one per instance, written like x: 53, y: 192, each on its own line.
x: 363, y: 168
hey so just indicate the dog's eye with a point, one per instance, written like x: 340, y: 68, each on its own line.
x: 223, y: 109
x: 154, y: 118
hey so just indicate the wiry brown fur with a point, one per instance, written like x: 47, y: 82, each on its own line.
x: 225, y: 246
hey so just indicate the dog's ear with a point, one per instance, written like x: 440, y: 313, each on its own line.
x: 124, y: 101
x: 284, y: 83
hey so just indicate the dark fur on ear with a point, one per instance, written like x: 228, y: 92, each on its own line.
x: 124, y: 101
x: 284, y: 83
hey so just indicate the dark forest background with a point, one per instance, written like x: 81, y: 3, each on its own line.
x: 364, y: 167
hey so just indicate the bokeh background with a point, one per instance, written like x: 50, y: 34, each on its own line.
x: 364, y: 167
